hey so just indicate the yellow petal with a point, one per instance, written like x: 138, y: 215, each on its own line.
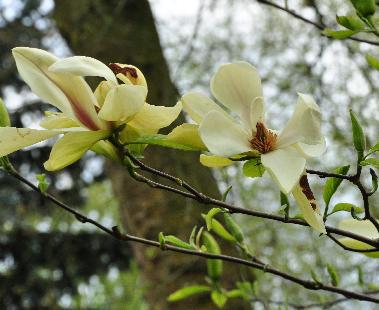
x: 107, y: 149
x: 187, y: 134
x: 129, y: 74
x: 58, y: 120
x: 215, y: 161
x: 101, y: 92
x: 13, y: 139
x: 155, y: 117
x: 71, y: 147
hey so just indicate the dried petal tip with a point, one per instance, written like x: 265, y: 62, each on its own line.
x: 128, y: 74
x: 264, y: 140
x: 306, y: 189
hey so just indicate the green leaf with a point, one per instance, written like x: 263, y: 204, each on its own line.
x: 188, y: 291
x: 361, y: 278
x: 333, y: 274
x: 178, y: 242
x: 162, y: 140
x: 374, y: 162
x: 285, y: 204
x: 236, y: 293
x: 226, y: 193
x: 219, y: 299
x: 315, y: 277
x: 192, y: 237
x: 364, y: 7
x: 374, y: 180
x: 42, y: 183
x: 208, y: 218
x: 253, y: 168
x: 4, y: 116
x: 344, y: 206
x: 161, y: 239
x: 350, y: 22
x: 372, y: 61
x: 214, y: 266
x: 332, y: 184
x: 374, y: 148
x: 359, y: 138
x: 220, y: 230
x: 339, y: 34
x: 233, y: 227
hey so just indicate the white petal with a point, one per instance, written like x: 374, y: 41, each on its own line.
x: 155, y: 117
x: 69, y: 93
x: 311, y: 214
x: 236, y: 85
x: 308, y: 150
x: 257, y: 112
x: 215, y: 161
x: 83, y: 66
x: 198, y: 105
x: 223, y: 136
x: 13, y: 139
x: 285, y: 166
x: 71, y: 147
x: 304, y: 125
x: 123, y: 102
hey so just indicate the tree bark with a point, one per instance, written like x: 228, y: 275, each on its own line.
x: 125, y: 32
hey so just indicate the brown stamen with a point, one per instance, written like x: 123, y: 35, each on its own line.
x: 264, y: 140
x: 123, y: 70
x: 306, y: 189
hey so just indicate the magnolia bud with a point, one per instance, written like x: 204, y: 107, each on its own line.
x: 364, y: 7
x: 4, y: 117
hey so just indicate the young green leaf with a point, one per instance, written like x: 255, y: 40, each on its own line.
x: 233, y: 227
x: 236, y: 293
x: 208, y: 218
x: 361, y: 279
x: 162, y: 140
x: 220, y: 230
x: 253, y: 168
x: 219, y: 299
x: 374, y: 180
x: 350, y: 22
x: 192, y: 237
x: 359, y: 138
x: 372, y: 61
x: 315, y: 277
x: 178, y: 242
x: 285, y: 204
x: 374, y: 162
x: 339, y: 34
x: 188, y: 291
x: 374, y: 148
x: 333, y: 274
x: 344, y: 206
x: 42, y: 183
x: 214, y: 266
x: 226, y: 193
x: 4, y: 116
x: 162, y: 241
x: 364, y: 7
x: 332, y: 184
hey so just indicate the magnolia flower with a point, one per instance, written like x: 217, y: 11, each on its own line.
x: 86, y: 118
x: 243, y: 132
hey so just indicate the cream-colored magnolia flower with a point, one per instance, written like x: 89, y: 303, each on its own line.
x: 86, y: 118
x: 243, y: 132
x: 363, y: 228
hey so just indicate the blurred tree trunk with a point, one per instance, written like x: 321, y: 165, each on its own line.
x: 125, y: 32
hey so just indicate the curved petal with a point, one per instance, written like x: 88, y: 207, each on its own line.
x: 83, y: 66
x: 215, y: 161
x: 256, y: 114
x: 309, y: 207
x: 285, y: 166
x: 123, y: 102
x: 155, y: 117
x: 304, y: 125
x: 308, y: 150
x: 223, y: 136
x: 101, y: 92
x: 236, y: 85
x: 71, y: 147
x: 129, y: 74
x: 69, y: 93
x: 13, y: 139
x: 363, y: 228
x: 198, y: 105
x: 58, y: 120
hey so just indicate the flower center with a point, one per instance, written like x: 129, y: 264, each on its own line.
x: 264, y: 140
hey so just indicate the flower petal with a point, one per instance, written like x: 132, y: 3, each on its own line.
x: 101, y: 92
x: 308, y: 150
x: 363, y: 228
x: 198, y: 105
x: 215, y: 161
x: 69, y: 93
x: 257, y: 113
x: 309, y: 207
x: 123, y: 102
x: 285, y: 166
x: 236, y: 85
x: 304, y: 125
x: 71, y: 147
x: 107, y: 149
x: 13, y: 139
x: 129, y: 74
x: 155, y: 117
x: 58, y: 120
x: 223, y: 136
x: 187, y: 134
x: 83, y: 66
